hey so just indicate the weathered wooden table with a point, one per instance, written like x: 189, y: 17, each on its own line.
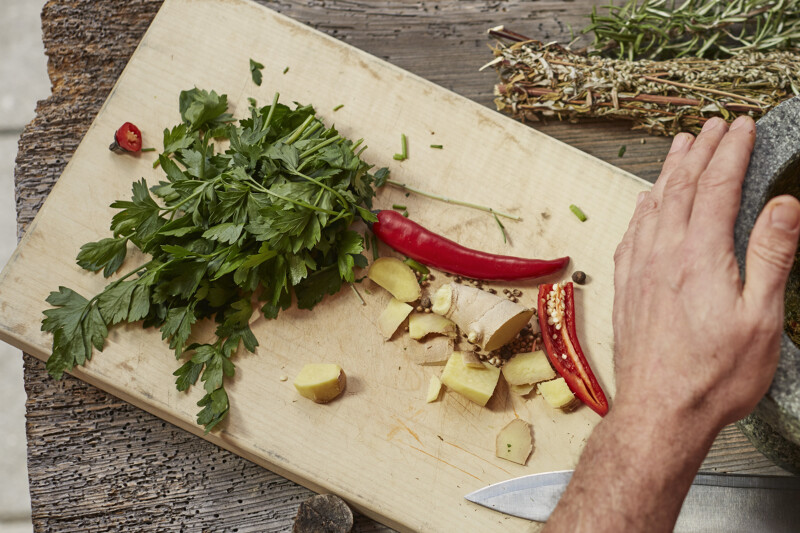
x: 97, y: 463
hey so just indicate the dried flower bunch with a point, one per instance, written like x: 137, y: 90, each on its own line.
x: 662, y: 97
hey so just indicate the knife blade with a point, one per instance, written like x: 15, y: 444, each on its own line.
x: 715, y: 502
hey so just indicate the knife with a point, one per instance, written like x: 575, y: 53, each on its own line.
x: 715, y: 502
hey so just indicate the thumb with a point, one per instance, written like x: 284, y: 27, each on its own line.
x: 771, y: 250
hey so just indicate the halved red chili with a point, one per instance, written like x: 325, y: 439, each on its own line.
x: 557, y: 321
x: 127, y: 138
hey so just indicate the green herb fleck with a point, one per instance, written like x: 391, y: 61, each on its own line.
x: 502, y: 227
x: 403, y: 155
x: 419, y: 267
x: 437, y: 146
x: 622, y: 150
x: 405, y: 214
x: 338, y: 107
x: 255, y: 71
x: 578, y: 212
x: 286, y: 70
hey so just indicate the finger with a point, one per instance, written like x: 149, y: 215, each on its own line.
x: 680, y: 147
x: 679, y: 191
x: 646, y: 218
x: 624, y: 252
x: 771, y: 251
x: 719, y: 188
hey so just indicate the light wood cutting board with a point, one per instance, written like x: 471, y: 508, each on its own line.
x: 380, y: 446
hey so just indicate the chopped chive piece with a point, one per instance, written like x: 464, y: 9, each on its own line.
x: 148, y: 149
x: 403, y: 155
x: 437, y: 146
x: 502, y: 227
x: 374, y: 247
x: 578, y: 213
x: 419, y: 267
x: 286, y: 70
x: 338, y: 107
x: 399, y: 207
x: 622, y: 150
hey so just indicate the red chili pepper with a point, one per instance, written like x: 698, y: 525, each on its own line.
x: 420, y: 244
x: 557, y: 321
x: 127, y: 138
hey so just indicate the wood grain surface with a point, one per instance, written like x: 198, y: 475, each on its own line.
x: 97, y: 463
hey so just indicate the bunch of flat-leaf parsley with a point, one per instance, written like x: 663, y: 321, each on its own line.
x: 269, y: 216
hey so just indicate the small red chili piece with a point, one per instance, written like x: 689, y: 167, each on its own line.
x: 127, y: 138
x: 428, y: 248
x: 557, y: 322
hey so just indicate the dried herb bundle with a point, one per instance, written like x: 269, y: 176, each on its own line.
x: 661, y: 29
x: 663, y: 97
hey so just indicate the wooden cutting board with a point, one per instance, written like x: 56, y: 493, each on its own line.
x: 396, y: 458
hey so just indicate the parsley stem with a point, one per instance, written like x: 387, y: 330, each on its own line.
x: 314, y: 127
x: 341, y: 199
x: 450, y: 200
x: 300, y: 130
x: 258, y: 187
x: 271, y: 110
x: 319, y: 146
x: 358, y: 294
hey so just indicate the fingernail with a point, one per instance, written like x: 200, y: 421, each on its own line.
x: 712, y: 123
x: 739, y: 122
x: 680, y: 140
x: 641, y: 197
x: 785, y: 216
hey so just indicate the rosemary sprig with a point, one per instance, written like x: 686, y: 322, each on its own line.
x: 661, y: 29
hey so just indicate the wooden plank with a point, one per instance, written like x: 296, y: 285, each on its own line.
x: 97, y: 422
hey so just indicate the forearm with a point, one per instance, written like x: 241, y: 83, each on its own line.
x: 634, y: 473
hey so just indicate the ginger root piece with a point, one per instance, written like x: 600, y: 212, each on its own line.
x: 488, y: 320
x: 522, y: 390
x: 320, y: 382
x: 392, y: 316
x: 528, y: 368
x: 433, y: 352
x: 476, y: 384
x: 434, y: 388
x: 422, y: 324
x: 557, y: 393
x: 471, y: 360
x: 514, y: 442
x: 396, y: 277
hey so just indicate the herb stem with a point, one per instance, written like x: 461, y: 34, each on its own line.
x: 320, y: 146
x: 257, y: 186
x: 271, y: 110
x: 358, y: 294
x: 300, y: 130
x: 705, y: 89
x: 502, y: 228
x: 451, y: 200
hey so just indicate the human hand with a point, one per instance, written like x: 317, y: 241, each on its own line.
x: 692, y: 341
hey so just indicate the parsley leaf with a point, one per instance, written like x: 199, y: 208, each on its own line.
x: 255, y: 71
